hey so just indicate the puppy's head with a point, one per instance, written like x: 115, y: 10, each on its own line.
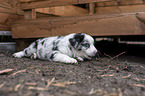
x: 85, y: 43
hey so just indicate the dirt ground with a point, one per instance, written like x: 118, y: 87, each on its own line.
x: 119, y: 74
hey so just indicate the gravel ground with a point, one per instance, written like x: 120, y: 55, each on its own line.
x: 109, y: 75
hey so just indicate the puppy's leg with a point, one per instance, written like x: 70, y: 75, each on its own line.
x: 26, y: 52
x: 19, y: 54
x: 63, y: 58
x: 79, y: 59
x: 33, y: 56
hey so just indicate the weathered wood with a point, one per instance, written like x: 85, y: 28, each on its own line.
x: 28, y: 0
x: 6, y: 20
x: 126, y: 2
x: 9, y: 12
x: 121, y: 9
x: 120, y: 2
x: 68, y: 10
x: 30, y: 14
x: 141, y: 17
x: 4, y: 28
x: 33, y: 13
x: 96, y: 25
x: 50, y: 3
x: 92, y: 8
x: 21, y: 44
x: 104, y: 4
x: 10, y: 7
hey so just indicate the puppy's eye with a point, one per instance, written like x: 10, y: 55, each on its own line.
x: 86, y: 45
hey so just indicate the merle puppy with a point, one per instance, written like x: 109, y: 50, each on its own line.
x: 67, y: 49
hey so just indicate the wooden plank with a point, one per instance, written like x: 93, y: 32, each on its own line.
x: 129, y: 2
x: 96, y: 25
x: 4, y: 28
x: 6, y: 20
x: 9, y: 12
x: 68, y: 10
x: 10, y: 7
x: 92, y: 8
x: 141, y: 17
x: 104, y: 4
x: 33, y: 13
x: 120, y: 2
x: 26, y: 1
x: 51, y: 3
x: 121, y: 9
x: 30, y: 14
x: 27, y: 14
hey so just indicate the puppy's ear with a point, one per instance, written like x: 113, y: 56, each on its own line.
x: 77, y: 39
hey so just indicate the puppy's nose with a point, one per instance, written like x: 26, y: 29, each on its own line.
x: 96, y: 52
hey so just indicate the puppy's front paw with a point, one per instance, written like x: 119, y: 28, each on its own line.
x: 71, y: 60
x: 33, y: 56
x: 80, y: 59
x: 64, y: 58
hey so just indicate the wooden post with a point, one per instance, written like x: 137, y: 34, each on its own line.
x: 91, y: 8
x: 30, y: 14
x: 21, y: 44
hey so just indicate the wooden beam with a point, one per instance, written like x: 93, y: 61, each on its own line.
x: 120, y: 3
x: 129, y: 2
x: 4, y: 28
x: 6, y: 20
x: 30, y: 14
x: 9, y: 12
x: 10, y: 7
x: 68, y: 10
x: 29, y: 0
x: 50, y: 3
x: 96, y: 25
x: 33, y: 13
x: 91, y: 8
x: 27, y: 14
x: 121, y: 9
x: 141, y: 17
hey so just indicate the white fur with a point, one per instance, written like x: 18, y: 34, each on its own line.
x: 58, y: 49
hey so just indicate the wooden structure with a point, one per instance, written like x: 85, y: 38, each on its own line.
x: 118, y: 18
x: 95, y: 25
x: 9, y: 12
x: 31, y: 6
x: 62, y: 17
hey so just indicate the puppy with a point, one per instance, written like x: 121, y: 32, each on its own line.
x: 66, y: 49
